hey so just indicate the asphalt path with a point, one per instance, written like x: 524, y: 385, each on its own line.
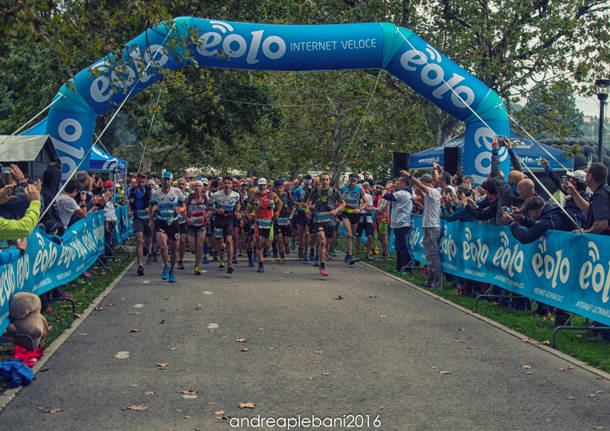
x: 355, y: 350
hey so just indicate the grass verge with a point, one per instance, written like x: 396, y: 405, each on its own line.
x: 83, y: 291
x: 581, y: 344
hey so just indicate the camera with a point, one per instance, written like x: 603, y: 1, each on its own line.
x: 501, y: 139
x: 6, y: 170
x: 508, y: 210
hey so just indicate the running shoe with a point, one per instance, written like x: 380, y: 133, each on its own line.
x: 180, y: 265
x: 323, y: 272
x: 196, y: 270
x: 229, y: 269
x: 301, y: 253
x: 347, y: 258
x: 333, y: 254
x: 282, y: 261
x: 312, y: 255
x: 221, y: 264
x: 261, y: 268
x: 205, y: 260
x: 251, y: 263
x: 172, y: 277
x: 351, y: 260
x: 275, y: 254
x: 315, y: 261
x: 165, y: 272
x: 234, y: 260
x: 140, y: 270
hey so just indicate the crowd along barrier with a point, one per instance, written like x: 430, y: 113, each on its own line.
x: 48, y: 264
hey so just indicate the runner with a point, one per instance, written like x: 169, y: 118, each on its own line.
x: 352, y: 195
x: 196, y: 222
x: 263, y: 206
x: 225, y: 204
x: 301, y: 196
x: 183, y: 226
x: 169, y: 201
x: 382, y: 219
x: 326, y: 203
x: 139, y: 208
x: 365, y: 224
x: 248, y: 226
x: 284, y: 227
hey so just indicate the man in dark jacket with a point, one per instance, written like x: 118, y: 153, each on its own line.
x: 507, y: 191
x: 544, y: 216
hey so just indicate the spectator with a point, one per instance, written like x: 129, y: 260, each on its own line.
x: 400, y: 220
x: 432, y: 229
x: 597, y: 207
x: 507, y: 194
x: 67, y: 205
x: 382, y: 219
x: 486, y: 208
x: 15, y: 229
x: 110, y: 218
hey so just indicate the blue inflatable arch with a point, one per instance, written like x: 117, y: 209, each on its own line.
x: 108, y: 82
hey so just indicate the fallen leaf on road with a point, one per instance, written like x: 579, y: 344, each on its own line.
x: 134, y: 330
x: 599, y: 392
x: 134, y: 385
x: 325, y: 373
x: 592, y: 395
x: 372, y: 296
x: 47, y: 409
x: 599, y: 378
x: 529, y: 372
x: 248, y: 405
x: 149, y: 393
x: 571, y: 397
x: 319, y: 352
x: 287, y: 272
x: 527, y: 367
x: 563, y: 369
x: 470, y: 347
x: 598, y: 427
x: 445, y: 372
x: 99, y: 308
x: 78, y: 316
x: 271, y: 348
x: 261, y: 329
x: 245, y: 349
x: 459, y: 341
x: 172, y: 349
x: 241, y: 340
x: 190, y: 392
x: 546, y: 342
x: 187, y: 417
x: 198, y: 307
x: 179, y: 410
x: 134, y: 313
x: 219, y: 412
x: 162, y: 321
x: 338, y: 297
x: 138, y: 408
x: 162, y: 365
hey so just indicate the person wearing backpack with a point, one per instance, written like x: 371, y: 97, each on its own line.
x: 326, y: 203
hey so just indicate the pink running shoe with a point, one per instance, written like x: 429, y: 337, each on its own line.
x: 323, y: 272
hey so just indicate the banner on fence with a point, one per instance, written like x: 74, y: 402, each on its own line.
x: 562, y: 269
x: 48, y: 264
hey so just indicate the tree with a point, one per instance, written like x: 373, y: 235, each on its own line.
x: 550, y: 112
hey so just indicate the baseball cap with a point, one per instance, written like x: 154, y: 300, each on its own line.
x: 108, y: 185
x: 205, y: 181
x: 353, y: 177
x: 580, y: 176
x: 168, y: 174
x: 262, y: 181
x: 307, y: 179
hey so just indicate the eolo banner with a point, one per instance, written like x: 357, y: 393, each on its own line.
x: 213, y: 43
x: 574, y: 278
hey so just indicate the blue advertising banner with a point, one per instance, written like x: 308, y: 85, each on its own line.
x: 123, y: 228
x: 48, y: 264
x: 562, y: 269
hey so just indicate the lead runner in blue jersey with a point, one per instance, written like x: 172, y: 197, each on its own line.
x: 168, y: 202
x: 139, y: 208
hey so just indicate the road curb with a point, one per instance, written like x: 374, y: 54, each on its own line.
x: 597, y: 372
x: 9, y: 394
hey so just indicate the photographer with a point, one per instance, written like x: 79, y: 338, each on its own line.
x: 15, y: 229
x: 67, y: 207
x: 507, y: 191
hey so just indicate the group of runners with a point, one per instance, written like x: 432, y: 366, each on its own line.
x: 227, y: 217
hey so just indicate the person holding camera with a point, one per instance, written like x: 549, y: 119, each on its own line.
x: 67, y: 206
x: 11, y: 229
x: 507, y: 191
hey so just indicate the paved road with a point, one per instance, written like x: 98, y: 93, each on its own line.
x: 385, y: 351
